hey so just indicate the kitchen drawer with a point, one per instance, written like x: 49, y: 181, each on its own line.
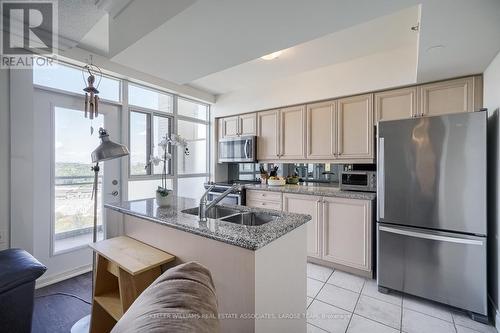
x: 263, y: 196
x: 264, y: 204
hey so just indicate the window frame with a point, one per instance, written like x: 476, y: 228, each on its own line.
x: 150, y: 175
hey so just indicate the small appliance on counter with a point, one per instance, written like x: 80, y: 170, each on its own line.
x: 238, y: 149
x: 359, y: 177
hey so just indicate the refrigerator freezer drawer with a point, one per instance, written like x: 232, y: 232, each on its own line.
x: 439, y: 266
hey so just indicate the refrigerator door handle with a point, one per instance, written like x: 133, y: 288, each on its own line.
x: 381, y: 179
x: 431, y: 237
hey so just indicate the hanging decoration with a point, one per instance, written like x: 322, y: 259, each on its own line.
x: 91, y: 90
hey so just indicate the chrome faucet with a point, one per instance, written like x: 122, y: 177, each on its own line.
x: 205, y: 206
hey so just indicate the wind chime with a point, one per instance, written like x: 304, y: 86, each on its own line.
x: 91, y: 98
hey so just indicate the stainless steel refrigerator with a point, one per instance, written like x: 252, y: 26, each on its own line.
x: 431, y: 225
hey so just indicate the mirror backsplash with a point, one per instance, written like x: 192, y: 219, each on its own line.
x: 307, y: 172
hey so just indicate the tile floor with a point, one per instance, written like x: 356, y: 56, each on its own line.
x: 341, y: 302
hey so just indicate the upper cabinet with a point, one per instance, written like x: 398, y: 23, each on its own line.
x: 281, y: 134
x: 242, y: 125
x: 268, y: 123
x: 321, y: 142
x: 396, y: 104
x: 452, y: 96
x: 229, y: 127
x: 342, y: 130
x: 292, y: 133
x: 248, y: 124
x: 355, y: 138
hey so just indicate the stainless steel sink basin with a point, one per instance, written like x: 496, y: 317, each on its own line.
x: 250, y: 218
x: 216, y: 212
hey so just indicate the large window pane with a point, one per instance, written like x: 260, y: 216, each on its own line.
x: 196, y: 135
x: 70, y: 79
x: 161, y: 129
x: 138, y: 143
x: 73, y: 180
x: 143, y: 189
x: 149, y: 98
x: 191, y: 187
x: 192, y: 109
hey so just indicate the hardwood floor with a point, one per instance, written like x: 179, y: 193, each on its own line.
x: 57, y: 313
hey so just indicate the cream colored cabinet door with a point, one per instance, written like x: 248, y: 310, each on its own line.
x: 311, y: 205
x: 321, y: 130
x: 446, y: 97
x: 396, y: 104
x: 268, y: 127
x: 230, y: 127
x: 248, y: 124
x: 355, y: 138
x: 293, y: 134
x: 347, y: 232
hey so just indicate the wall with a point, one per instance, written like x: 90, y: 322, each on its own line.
x: 374, y: 72
x: 4, y: 159
x: 492, y: 102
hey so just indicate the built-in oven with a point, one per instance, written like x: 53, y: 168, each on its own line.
x: 238, y: 149
x: 359, y: 178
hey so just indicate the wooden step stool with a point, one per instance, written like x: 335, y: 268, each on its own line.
x: 125, y: 267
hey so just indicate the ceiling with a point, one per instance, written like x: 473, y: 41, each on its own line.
x: 376, y: 36
x: 216, y: 45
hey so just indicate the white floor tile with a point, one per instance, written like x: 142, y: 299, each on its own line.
x: 383, y: 312
x: 416, y: 322
x: 314, y: 329
x: 318, y: 272
x: 347, y: 281
x: 309, y: 301
x: 371, y: 289
x: 342, y: 298
x: 328, y: 317
x: 359, y: 324
x: 464, y: 320
x: 313, y: 287
x: 429, y: 308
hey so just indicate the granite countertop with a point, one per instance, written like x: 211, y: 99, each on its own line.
x: 248, y: 237
x: 320, y: 190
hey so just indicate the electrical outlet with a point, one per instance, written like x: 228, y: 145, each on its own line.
x: 3, y: 236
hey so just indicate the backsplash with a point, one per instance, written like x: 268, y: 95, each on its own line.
x: 319, y: 172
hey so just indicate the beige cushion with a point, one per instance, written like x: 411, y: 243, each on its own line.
x: 182, y: 299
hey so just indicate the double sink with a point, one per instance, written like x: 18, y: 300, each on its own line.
x: 234, y: 215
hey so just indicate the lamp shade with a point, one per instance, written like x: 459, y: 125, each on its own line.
x: 108, y: 149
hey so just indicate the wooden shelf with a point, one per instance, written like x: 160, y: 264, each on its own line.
x: 125, y: 267
x: 111, y: 302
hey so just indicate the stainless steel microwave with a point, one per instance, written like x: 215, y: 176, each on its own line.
x: 238, y: 149
x: 365, y: 181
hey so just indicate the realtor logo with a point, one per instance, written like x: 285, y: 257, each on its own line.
x: 28, y: 30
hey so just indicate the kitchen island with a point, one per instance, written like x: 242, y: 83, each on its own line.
x: 259, y: 271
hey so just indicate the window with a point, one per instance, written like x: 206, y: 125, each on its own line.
x: 149, y: 98
x: 139, y: 143
x: 196, y: 136
x: 69, y: 78
x: 73, y: 180
x: 192, y: 109
x: 149, y: 124
x: 161, y: 130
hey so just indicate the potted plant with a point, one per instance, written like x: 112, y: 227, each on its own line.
x: 164, y: 196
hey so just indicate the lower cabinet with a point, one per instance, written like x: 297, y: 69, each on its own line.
x: 340, y: 231
x: 347, y: 232
x: 311, y: 205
